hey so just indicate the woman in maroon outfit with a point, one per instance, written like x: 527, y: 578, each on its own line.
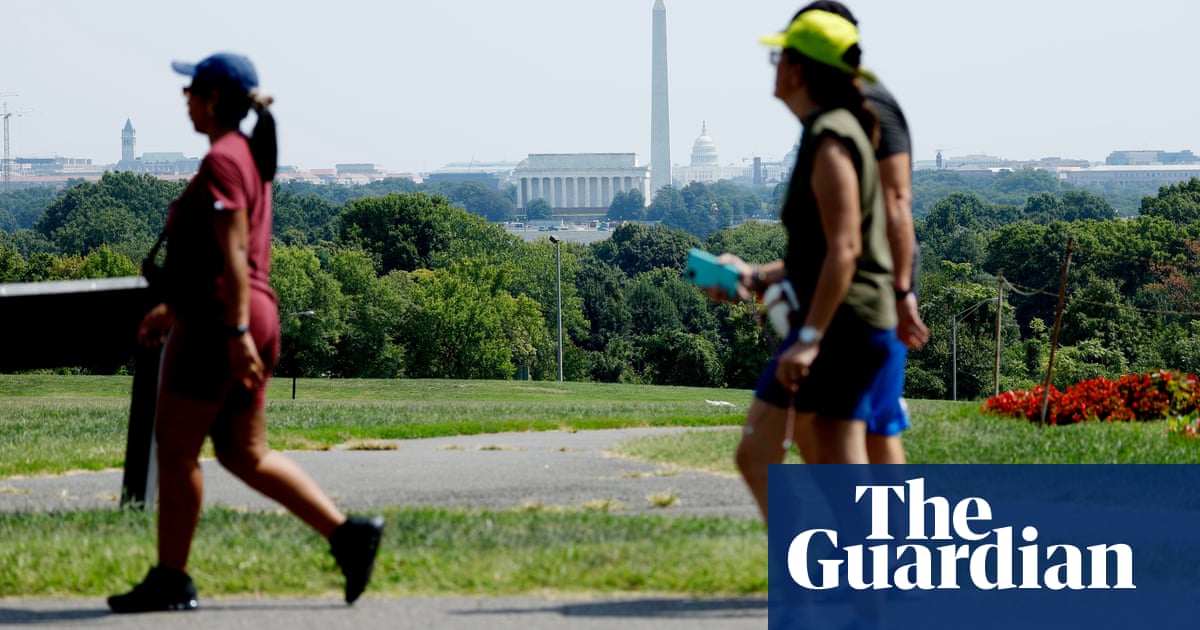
x: 220, y: 328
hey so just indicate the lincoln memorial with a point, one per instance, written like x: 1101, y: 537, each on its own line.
x: 579, y: 184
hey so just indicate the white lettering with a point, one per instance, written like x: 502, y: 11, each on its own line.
x: 1068, y: 574
x: 879, y: 508
x: 921, y: 566
x: 916, y: 513
x: 797, y: 560
x: 1029, y: 559
x: 1004, y: 570
x: 963, y: 517
x: 1124, y: 555
x: 988, y: 566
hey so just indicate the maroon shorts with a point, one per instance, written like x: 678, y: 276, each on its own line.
x: 195, y: 361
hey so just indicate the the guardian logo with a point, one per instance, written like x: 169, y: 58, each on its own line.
x: 946, y: 546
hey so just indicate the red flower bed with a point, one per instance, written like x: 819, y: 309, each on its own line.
x: 1161, y: 394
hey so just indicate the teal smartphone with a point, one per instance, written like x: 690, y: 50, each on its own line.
x: 704, y: 271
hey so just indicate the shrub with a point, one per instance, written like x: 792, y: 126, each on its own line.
x: 1153, y: 396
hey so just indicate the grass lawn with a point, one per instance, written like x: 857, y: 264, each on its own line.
x: 946, y: 432
x: 50, y: 424
x: 425, y: 551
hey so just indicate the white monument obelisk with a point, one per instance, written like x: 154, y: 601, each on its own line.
x: 660, y: 109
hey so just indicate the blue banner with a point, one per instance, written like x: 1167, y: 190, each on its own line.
x: 984, y: 546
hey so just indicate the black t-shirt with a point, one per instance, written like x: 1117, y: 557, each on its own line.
x: 893, y: 127
x: 894, y: 139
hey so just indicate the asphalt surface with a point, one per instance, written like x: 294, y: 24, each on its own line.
x: 486, y: 471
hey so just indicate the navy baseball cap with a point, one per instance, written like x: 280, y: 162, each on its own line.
x: 220, y: 69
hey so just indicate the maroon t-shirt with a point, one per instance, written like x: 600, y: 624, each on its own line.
x: 228, y: 181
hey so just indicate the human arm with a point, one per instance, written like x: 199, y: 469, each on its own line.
x: 155, y: 324
x: 751, y: 278
x: 895, y: 173
x: 232, y: 232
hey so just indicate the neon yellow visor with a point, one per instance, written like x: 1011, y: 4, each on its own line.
x: 821, y: 36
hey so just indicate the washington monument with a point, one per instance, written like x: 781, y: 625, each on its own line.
x: 660, y: 109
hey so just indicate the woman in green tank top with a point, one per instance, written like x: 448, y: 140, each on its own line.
x: 838, y: 261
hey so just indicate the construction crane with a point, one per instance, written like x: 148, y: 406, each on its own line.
x: 7, y: 165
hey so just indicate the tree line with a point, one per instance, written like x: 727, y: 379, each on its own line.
x: 405, y: 281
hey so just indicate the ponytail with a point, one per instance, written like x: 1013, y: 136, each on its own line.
x: 833, y: 88
x: 263, y: 143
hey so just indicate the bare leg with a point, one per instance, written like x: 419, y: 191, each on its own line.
x: 241, y: 447
x: 762, y: 445
x: 181, y: 424
x: 841, y: 441
x: 886, y: 449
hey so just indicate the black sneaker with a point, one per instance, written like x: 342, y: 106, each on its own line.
x: 163, y: 589
x: 354, y: 544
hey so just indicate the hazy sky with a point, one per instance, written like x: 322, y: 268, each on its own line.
x: 413, y: 85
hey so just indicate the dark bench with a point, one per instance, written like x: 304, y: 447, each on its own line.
x: 91, y: 324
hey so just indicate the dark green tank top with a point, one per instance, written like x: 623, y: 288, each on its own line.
x: 870, y: 298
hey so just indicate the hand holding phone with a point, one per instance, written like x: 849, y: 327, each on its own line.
x: 704, y: 271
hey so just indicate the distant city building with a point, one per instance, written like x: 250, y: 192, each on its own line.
x: 705, y: 166
x: 163, y: 164
x: 360, y: 168
x: 494, y: 175
x: 37, y: 169
x: 981, y: 165
x: 1144, y: 158
x: 1137, y: 175
x: 128, y: 139
x: 166, y: 163
x: 579, y: 184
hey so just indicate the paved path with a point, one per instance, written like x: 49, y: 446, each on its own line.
x: 495, y: 471
x: 504, y: 470
x: 449, y: 613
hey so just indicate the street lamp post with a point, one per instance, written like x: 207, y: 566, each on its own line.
x: 558, y: 267
x: 298, y: 315
x: 954, y: 343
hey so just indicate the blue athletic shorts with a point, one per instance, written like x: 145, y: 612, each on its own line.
x: 840, y: 380
x: 890, y: 413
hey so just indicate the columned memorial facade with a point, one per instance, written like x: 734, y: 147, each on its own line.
x: 579, y: 183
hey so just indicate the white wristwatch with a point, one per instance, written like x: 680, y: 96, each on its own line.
x: 809, y: 336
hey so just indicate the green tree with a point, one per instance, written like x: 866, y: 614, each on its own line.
x: 601, y: 294
x: 627, y: 206
x: 1044, y: 208
x: 476, y: 198
x: 21, y: 207
x: 299, y: 220
x: 685, y: 359
x: 637, y: 248
x: 1017, y: 186
x: 748, y: 350
x: 374, y: 312
x: 1081, y: 205
x: 666, y: 200
x: 103, y: 262
x: 12, y: 265
x: 1177, y: 203
x: 309, y: 344
x: 753, y: 241
x: 461, y: 329
x: 539, y: 210
x: 415, y: 231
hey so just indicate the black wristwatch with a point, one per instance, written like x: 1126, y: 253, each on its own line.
x: 233, y: 332
x: 902, y: 293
